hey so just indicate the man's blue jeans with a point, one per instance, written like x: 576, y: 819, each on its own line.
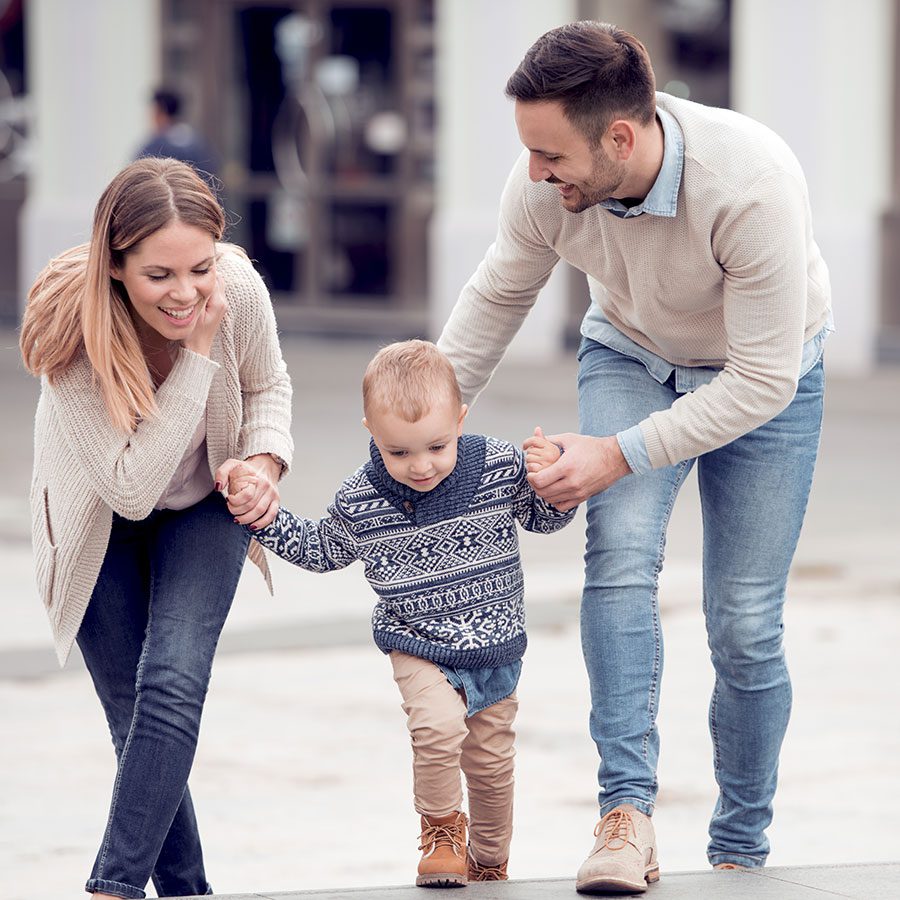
x: 753, y: 495
x: 148, y: 639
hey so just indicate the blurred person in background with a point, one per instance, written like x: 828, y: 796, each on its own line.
x: 174, y: 138
x: 702, y: 345
x: 159, y: 360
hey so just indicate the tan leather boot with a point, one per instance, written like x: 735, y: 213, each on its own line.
x: 444, y: 861
x: 487, y: 873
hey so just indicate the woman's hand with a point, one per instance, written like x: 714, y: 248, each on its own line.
x: 256, y: 501
x: 209, y: 317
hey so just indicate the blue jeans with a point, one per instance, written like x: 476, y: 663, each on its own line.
x: 753, y: 495
x: 148, y: 639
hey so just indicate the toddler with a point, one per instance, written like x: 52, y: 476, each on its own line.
x: 431, y: 515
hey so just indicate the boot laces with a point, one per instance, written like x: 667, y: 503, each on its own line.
x: 488, y: 873
x: 449, y: 835
x: 615, y: 827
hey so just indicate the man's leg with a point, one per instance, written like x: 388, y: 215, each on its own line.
x: 753, y: 493
x: 620, y: 628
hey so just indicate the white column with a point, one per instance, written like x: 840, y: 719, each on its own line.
x: 819, y: 72
x: 91, y: 68
x: 479, y: 46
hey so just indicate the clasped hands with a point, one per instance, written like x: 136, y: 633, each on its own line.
x: 566, y: 469
x: 252, y: 484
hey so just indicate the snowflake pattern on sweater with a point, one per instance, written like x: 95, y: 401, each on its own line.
x: 444, y: 564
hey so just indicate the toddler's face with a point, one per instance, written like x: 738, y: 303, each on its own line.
x: 419, y: 454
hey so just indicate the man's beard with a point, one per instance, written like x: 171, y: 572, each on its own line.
x: 606, y: 179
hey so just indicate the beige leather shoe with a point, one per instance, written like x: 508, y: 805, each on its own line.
x: 623, y: 860
x: 444, y: 860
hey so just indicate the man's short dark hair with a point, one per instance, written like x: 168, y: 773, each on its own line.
x: 597, y: 72
x: 168, y: 101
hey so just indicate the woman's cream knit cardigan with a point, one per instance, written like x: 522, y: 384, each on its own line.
x: 84, y: 469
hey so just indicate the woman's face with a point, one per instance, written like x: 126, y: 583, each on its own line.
x: 168, y: 277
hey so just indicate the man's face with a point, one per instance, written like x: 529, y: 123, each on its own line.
x: 561, y: 155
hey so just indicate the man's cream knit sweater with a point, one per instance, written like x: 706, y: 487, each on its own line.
x: 84, y: 470
x: 734, y: 280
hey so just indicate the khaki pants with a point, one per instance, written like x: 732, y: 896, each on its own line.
x: 444, y: 741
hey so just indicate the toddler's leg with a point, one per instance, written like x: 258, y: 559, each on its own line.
x: 487, y: 760
x: 436, y: 718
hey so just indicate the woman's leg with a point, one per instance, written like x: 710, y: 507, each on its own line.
x: 190, y: 570
x: 487, y: 759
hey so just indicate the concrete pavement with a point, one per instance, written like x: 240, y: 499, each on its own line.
x: 302, y: 776
x: 871, y: 882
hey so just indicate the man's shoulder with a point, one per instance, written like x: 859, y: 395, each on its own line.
x: 727, y: 146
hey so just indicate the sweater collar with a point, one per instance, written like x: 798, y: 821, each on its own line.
x: 450, y: 498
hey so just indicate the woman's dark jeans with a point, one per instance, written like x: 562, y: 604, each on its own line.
x: 148, y: 639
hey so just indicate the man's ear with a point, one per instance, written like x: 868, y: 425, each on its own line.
x: 621, y: 138
x: 463, y: 411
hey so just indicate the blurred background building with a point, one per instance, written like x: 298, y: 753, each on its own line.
x: 363, y: 146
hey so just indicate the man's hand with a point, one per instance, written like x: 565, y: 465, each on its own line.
x: 588, y: 466
x: 257, y: 500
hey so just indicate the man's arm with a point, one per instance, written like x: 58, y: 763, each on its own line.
x: 497, y: 298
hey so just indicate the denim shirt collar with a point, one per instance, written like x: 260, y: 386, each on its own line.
x: 663, y: 197
x: 450, y: 498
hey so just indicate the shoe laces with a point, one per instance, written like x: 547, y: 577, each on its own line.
x: 615, y: 827
x: 488, y: 873
x: 449, y: 834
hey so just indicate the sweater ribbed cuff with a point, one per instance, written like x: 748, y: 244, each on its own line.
x: 655, y: 450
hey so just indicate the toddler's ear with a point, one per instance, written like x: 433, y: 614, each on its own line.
x: 463, y: 412
x: 366, y: 425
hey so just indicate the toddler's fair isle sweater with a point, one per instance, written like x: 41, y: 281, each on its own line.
x: 444, y: 563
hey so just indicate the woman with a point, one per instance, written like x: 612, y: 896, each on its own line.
x: 159, y: 360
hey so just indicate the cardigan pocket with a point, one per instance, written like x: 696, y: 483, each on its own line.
x: 46, y: 553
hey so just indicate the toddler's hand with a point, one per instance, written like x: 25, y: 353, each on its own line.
x: 240, y: 478
x: 539, y: 452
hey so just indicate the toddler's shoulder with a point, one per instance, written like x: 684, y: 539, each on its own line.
x: 357, y: 494
x: 500, y: 453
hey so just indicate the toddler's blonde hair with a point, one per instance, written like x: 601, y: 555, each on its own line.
x: 407, y: 378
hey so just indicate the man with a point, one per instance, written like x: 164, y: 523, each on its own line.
x: 702, y: 345
x: 176, y: 139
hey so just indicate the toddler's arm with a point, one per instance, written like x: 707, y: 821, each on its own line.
x: 321, y: 546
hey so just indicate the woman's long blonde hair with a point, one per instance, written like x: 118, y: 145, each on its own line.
x: 76, y: 302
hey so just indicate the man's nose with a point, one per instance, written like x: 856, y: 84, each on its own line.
x: 537, y: 168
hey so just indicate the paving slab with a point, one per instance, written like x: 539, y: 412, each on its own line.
x: 872, y: 882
